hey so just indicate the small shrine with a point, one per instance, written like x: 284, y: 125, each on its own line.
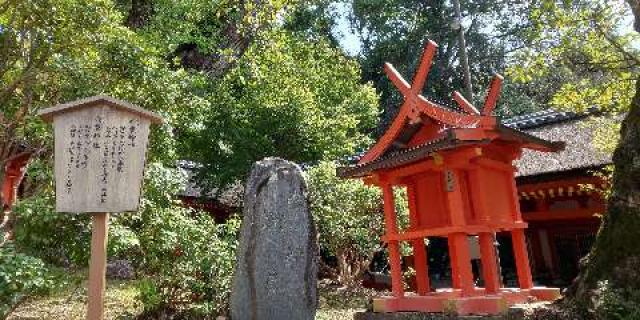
x: 456, y: 164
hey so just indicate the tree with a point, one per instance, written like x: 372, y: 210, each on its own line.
x: 152, y: 53
x: 582, y: 41
x: 55, y: 52
x: 207, y: 36
x: 287, y: 97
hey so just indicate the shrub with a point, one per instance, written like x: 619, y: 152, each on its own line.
x: 615, y: 304
x: 20, y: 276
x: 187, y: 258
x: 64, y: 239
x: 349, y: 217
x: 58, y: 238
x: 188, y: 263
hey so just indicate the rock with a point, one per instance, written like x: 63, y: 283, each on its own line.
x: 120, y: 269
x: 276, y: 261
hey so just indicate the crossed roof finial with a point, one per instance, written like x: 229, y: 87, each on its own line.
x: 413, y: 97
x: 415, y: 105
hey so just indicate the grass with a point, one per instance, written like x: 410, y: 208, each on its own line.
x: 70, y: 302
x: 337, y: 303
x: 121, y: 302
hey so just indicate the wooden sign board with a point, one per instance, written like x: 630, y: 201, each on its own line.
x: 100, y: 146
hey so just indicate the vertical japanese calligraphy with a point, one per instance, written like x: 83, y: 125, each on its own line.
x: 102, y: 159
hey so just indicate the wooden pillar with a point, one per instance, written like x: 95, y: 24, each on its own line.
x: 461, y: 273
x: 489, y: 263
x: 393, y: 245
x: 418, y: 245
x: 98, y: 266
x: 522, y: 258
x: 421, y: 267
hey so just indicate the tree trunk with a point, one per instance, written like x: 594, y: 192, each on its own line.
x: 615, y: 256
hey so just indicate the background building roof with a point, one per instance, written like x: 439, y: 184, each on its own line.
x: 577, y: 130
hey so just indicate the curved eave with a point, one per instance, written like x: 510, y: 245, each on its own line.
x: 405, y: 157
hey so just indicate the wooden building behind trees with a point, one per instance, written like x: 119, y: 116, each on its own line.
x: 561, y: 193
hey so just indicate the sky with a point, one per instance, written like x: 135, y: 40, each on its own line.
x: 350, y: 42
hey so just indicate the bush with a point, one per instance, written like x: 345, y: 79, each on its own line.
x: 349, y: 217
x: 187, y: 258
x: 58, y: 238
x: 63, y: 239
x: 615, y: 304
x: 188, y: 263
x: 20, y: 276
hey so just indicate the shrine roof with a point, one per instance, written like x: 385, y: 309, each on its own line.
x: 576, y: 130
x: 232, y: 196
x: 447, y: 141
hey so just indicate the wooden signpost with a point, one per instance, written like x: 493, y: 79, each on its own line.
x: 100, y: 146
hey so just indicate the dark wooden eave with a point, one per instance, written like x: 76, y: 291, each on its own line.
x: 447, y: 141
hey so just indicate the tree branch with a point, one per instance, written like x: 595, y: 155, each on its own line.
x: 618, y: 46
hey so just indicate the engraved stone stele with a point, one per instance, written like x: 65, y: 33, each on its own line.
x: 276, y: 271
x: 100, y: 145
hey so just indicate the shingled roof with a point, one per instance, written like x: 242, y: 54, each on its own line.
x: 572, y: 128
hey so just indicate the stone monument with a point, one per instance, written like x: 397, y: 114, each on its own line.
x: 276, y: 271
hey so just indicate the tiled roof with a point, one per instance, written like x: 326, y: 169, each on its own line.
x: 543, y: 118
x: 231, y: 197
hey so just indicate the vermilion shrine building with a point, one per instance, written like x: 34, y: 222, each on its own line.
x: 457, y: 165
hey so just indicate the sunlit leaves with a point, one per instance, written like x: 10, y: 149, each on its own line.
x: 287, y: 97
x: 587, y: 44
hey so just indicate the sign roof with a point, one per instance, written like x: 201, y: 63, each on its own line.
x: 49, y: 113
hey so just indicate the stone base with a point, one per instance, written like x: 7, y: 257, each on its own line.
x: 451, y: 301
x: 512, y: 314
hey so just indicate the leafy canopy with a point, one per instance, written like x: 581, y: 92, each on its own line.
x: 287, y: 97
x: 586, y: 45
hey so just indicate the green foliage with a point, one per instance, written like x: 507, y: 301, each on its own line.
x: 184, y: 257
x: 206, y: 23
x: 187, y: 260
x: 20, y: 276
x: 188, y: 263
x: 349, y: 218
x: 615, y: 304
x: 55, y: 237
x: 63, y: 238
x: 347, y: 212
x: 583, y: 45
x: 287, y: 97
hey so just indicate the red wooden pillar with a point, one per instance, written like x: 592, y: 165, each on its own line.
x: 461, y: 265
x: 461, y: 274
x: 15, y: 168
x: 419, y: 248
x: 489, y: 262
x: 394, y: 247
x: 522, y: 258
